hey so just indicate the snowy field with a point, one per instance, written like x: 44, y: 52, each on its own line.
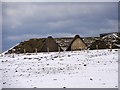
x: 77, y: 69
x: 0, y: 74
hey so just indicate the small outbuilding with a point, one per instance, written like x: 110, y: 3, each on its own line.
x: 77, y: 44
x: 50, y: 45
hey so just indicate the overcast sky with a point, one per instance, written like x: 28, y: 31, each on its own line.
x: 0, y: 27
x: 22, y: 21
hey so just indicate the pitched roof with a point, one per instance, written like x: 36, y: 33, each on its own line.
x: 76, y: 36
x: 50, y: 44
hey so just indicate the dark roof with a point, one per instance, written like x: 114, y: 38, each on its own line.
x: 29, y: 46
x: 101, y: 45
x: 50, y: 44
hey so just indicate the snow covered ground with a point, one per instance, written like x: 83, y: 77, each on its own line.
x: 0, y: 74
x: 77, y: 69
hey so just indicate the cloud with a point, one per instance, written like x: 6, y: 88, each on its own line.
x: 60, y: 1
x: 19, y: 14
x: 23, y: 21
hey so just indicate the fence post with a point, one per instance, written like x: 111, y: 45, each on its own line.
x: 71, y: 50
x: 36, y: 51
x: 0, y: 54
x: 13, y: 53
x: 48, y: 50
x: 24, y: 51
x: 110, y: 47
x: 59, y: 49
x: 97, y: 47
x: 88, y: 50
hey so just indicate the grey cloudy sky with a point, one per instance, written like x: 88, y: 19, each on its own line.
x: 0, y: 27
x: 22, y: 21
